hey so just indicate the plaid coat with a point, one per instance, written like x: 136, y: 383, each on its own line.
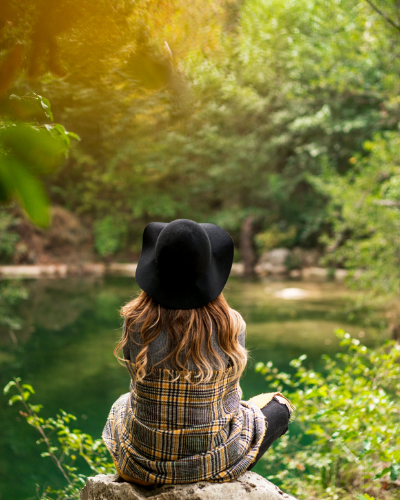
x: 166, y: 431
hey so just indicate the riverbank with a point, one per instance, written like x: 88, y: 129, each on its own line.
x: 67, y: 270
x: 129, y: 269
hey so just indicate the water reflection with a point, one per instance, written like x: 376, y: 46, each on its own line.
x: 71, y: 327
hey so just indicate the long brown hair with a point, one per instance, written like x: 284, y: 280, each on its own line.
x: 189, y: 332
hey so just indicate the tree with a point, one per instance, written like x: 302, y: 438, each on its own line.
x: 227, y: 127
x: 363, y: 212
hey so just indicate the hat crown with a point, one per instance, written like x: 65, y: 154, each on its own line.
x: 183, y: 247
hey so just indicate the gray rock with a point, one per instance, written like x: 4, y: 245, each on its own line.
x: 276, y: 257
x: 237, y: 269
x: 273, y: 262
x: 249, y: 486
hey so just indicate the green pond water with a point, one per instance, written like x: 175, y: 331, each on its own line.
x: 65, y: 350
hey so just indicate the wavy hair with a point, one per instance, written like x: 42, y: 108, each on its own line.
x: 190, y: 335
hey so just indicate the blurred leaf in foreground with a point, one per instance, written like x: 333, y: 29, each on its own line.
x: 29, y: 149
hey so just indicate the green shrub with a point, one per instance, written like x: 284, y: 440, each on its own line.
x: 275, y: 237
x: 63, y: 445
x: 347, y: 444
x: 348, y: 425
x: 109, y: 235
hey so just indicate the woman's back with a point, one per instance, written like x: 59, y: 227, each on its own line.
x: 172, y: 428
x: 161, y: 346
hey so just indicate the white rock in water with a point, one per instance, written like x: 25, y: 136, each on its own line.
x: 249, y: 486
x: 291, y: 294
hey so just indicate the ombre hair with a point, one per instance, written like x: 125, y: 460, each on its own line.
x: 190, y: 334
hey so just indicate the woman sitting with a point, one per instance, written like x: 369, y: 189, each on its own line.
x: 183, y: 420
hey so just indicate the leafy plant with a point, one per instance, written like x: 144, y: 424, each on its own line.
x: 345, y: 443
x: 109, y: 234
x: 30, y: 147
x: 63, y: 445
x: 275, y: 237
x: 348, y: 422
x: 256, y: 95
x: 363, y: 213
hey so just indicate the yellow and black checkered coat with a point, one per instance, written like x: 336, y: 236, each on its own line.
x: 166, y: 431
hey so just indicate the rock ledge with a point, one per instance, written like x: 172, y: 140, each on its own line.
x: 249, y: 486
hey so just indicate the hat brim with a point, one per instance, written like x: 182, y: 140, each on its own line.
x: 178, y: 294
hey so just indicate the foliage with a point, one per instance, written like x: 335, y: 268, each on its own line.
x: 109, y: 234
x: 363, y: 212
x: 11, y: 292
x: 275, y: 237
x: 8, y: 237
x: 259, y: 107
x: 346, y: 442
x: 226, y: 119
x: 28, y: 150
x: 347, y: 419
x: 85, y: 41
x: 63, y: 445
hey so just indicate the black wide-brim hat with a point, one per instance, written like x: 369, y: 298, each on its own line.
x: 183, y: 264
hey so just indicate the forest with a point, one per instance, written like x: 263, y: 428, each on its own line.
x: 275, y: 119
x: 281, y: 114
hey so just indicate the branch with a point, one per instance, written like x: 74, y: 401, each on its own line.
x: 385, y: 16
x: 41, y: 431
x: 387, y: 203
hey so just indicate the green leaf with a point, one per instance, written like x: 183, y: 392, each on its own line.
x: 74, y: 136
x: 63, y: 133
x: 28, y: 387
x: 46, y: 106
x: 26, y: 188
x: 394, y: 471
x: 14, y: 399
x: 36, y: 408
x: 27, y: 108
x: 8, y: 387
x: 385, y: 471
x: 41, y: 149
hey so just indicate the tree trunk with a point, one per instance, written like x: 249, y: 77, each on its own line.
x: 246, y: 247
x: 396, y: 332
